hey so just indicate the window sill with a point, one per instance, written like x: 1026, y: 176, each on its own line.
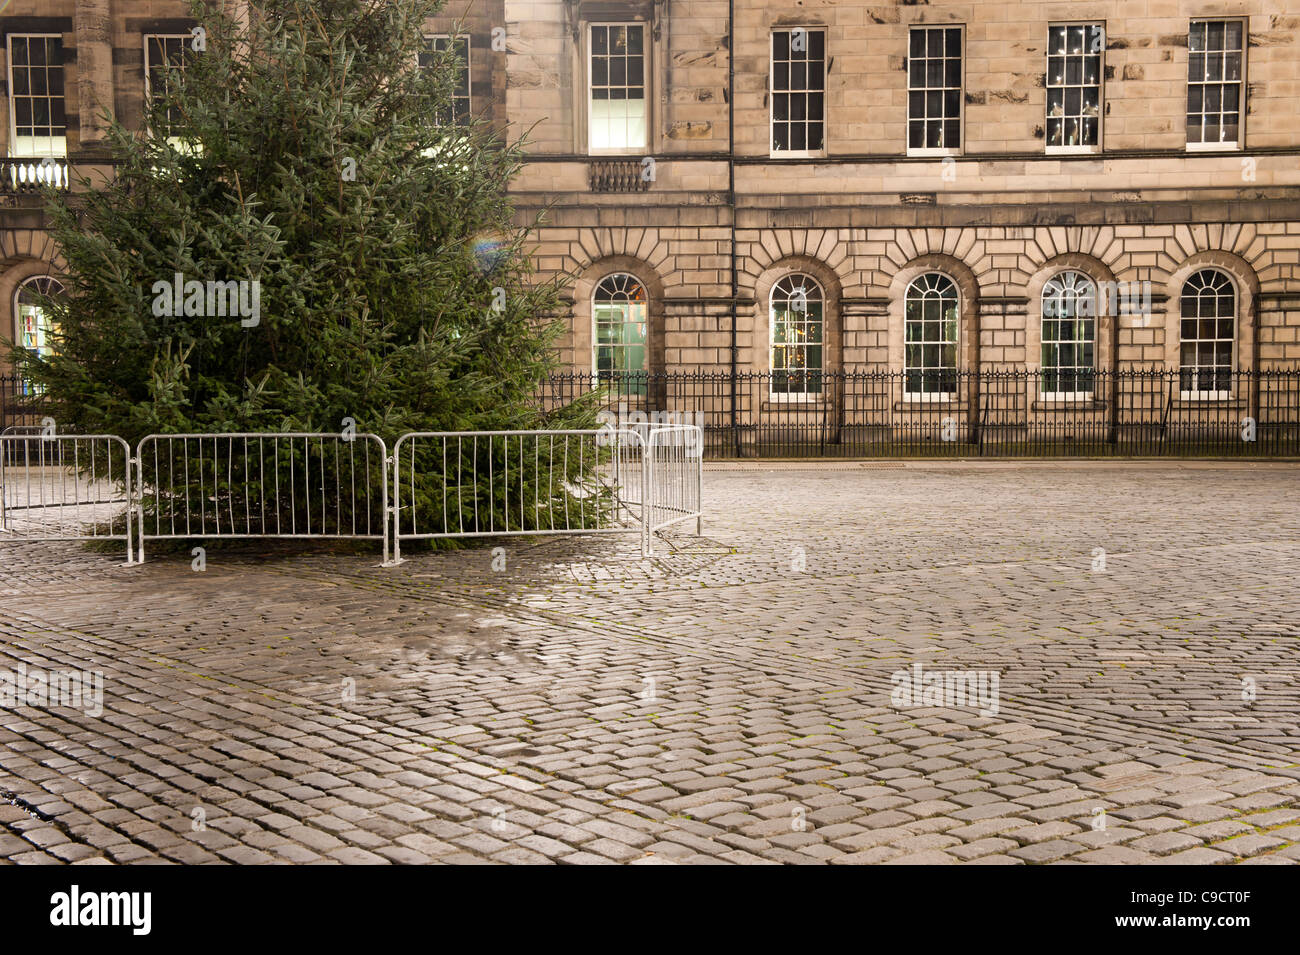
x: 1214, y: 147
x: 931, y: 153
x: 946, y: 403
x: 1050, y: 404
x: 1073, y: 150
x: 786, y: 400
x: 1203, y: 399
x: 928, y: 398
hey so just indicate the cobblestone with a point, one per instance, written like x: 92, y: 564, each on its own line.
x: 711, y: 704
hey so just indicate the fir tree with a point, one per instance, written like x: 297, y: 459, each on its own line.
x: 378, y: 271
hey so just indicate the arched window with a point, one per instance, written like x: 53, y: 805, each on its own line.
x: 32, y: 320
x: 930, y: 329
x: 620, y: 313
x: 1069, y: 335
x: 1209, y: 331
x: 797, y: 322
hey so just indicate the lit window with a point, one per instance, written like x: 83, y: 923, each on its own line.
x: 934, y: 78
x: 620, y: 313
x: 1069, y: 333
x: 34, y: 326
x: 798, y: 90
x: 1074, y: 72
x: 1215, y: 52
x: 616, y: 114
x: 1209, y: 330
x: 458, y: 114
x: 38, y: 125
x: 930, y: 336
x: 797, y: 323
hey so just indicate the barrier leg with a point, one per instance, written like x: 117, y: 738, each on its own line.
x: 130, y: 509
x: 647, y: 498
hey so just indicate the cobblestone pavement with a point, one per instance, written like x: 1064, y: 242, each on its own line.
x: 729, y: 700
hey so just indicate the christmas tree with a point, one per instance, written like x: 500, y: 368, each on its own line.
x: 309, y: 231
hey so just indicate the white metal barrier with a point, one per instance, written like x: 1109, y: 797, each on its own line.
x: 64, y: 487
x: 290, y: 485
x: 538, y: 482
x: 634, y: 480
x: 675, y: 461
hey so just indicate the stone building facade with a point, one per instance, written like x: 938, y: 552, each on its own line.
x: 919, y: 188
x: 997, y: 209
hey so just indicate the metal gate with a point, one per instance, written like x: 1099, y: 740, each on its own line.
x: 538, y: 482
x: 64, y: 487
x: 637, y: 480
x: 240, y: 485
x: 675, y: 462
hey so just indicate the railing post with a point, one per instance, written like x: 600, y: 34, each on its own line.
x: 699, y: 482
x: 4, y: 453
x: 395, y: 509
x: 648, y: 493
x: 139, y: 508
x: 1112, y: 432
x: 384, y: 470
x: 130, y: 502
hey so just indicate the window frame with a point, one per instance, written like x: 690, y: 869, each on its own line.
x: 773, y: 371
x: 433, y: 39
x: 13, y: 113
x: 1217, y: 394
x: 148, y: 80
x: 923, y: 151
x: 773, y: 152
x: 647, y: 73
x: 47, y: 277
x: 1043, y: 368
x: 1239, y: 144
x: 928, y: 396
x: 1077, y: 150
x: 596, y: 344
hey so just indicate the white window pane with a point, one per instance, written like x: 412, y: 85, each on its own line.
x: 617, y: 97
x: 40, y: 146
x: 618, y: 124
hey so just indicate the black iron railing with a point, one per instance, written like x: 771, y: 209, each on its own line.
x: 20, y: 405
x: 962, y: 414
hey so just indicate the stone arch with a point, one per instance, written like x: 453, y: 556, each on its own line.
x: 18, y: 271
x: 1246, y: 282
x: 583, y: 290
x: 1106, y: 323
x: 827, y: 247
x: 832, y: 322
x: 968, y: 306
